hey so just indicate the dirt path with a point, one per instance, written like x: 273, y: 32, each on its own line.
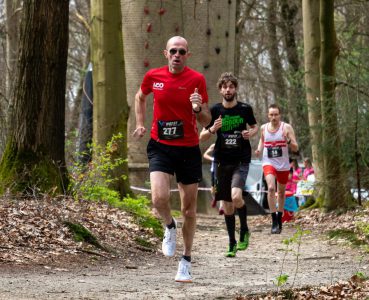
x: 151, y: 276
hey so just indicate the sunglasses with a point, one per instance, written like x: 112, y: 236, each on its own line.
x: 180, y: 51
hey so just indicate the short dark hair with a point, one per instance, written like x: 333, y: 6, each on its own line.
x: 276, y: 106
x: 227, y: 77
x: 308, y: 161
x: 294, y: 161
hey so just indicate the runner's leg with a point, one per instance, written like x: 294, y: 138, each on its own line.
x: 188, y: 195
x: 230, y: 221
x: 160, y: 194
x: 240, y: 205
x: 281, y: 200
x: 281, y: 196
x: 270, y: 180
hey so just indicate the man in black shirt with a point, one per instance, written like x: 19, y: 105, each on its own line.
x: 234, y: 123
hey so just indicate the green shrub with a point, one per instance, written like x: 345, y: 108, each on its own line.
x: 94, y: 180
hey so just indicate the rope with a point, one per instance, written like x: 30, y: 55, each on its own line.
x: 141, y: 189
x: 172, y: 190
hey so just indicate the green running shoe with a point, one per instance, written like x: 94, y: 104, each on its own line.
x: 244, y: 245
x: 231, y: 251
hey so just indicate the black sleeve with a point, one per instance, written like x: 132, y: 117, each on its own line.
x: 214, y: 116
x: 250, y: 116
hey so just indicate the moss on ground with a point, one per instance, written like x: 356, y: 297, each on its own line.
x: 82, y: 234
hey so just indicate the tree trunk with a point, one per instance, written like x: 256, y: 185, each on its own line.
x: 279, y: 90
x: 76, y: 111
x: 85, y: 129
x: 34, y: 156
x: 311, y: 28
x: 240, y: 24
x: 237, y: 49
x: 111, y: 111
x: 335, y: 194
x: 12, y: 12
x: 295, y: 96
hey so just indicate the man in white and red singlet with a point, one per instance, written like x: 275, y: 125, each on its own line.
x: 276, y: 137
x: 180, y: 101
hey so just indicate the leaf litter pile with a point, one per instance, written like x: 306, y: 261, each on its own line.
x: 36, y: 231
x: 356, y: 287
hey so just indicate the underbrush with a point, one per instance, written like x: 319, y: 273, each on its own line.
x: 94, y: 181
x: 357, y: 236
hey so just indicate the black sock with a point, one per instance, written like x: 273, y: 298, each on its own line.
x: 274, y: 218
x: 188, y: 258
x: 171, y: 225
x: 242, y: 214
x: 230, y: 221
x: 279, y: 218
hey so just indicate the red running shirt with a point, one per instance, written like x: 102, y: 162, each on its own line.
x: 172, y: 101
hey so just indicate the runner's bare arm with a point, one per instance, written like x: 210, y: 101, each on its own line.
x: 291, y: 138
x: 204, y: 116
x: 201, y: 109
x: 207, y: 133
x: 261, y: 142
x: 204, y: 135
x: 253, y: 130
x: 246, y: 134
x: 207, y: 155
x: 140, y: 111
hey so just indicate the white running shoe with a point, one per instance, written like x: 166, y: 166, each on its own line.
x: 169, y: 241
x: 184, y: 271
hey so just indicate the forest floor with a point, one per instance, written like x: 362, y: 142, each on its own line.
x: 40, y: 260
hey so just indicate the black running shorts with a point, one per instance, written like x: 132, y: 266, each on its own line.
x: 229, y: 176
x: 184, y: 162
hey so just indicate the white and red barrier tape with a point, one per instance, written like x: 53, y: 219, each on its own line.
x: 135, y: 188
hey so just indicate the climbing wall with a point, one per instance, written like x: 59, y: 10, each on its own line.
x: 208, y: 26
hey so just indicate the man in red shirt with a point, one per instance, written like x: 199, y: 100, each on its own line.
x: 180, y: 101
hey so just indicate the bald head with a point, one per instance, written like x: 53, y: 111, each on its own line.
x: 177, y: 40
x: 176, y: 53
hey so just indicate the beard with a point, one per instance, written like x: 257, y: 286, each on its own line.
x: 229, y: 98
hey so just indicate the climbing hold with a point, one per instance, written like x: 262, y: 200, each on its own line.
x: 162, y: 11
x: 149, y: 27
